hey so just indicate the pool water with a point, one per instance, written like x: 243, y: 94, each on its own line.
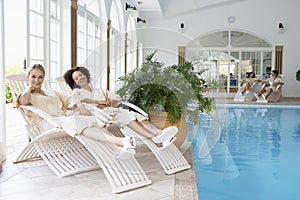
x: 257, y: 158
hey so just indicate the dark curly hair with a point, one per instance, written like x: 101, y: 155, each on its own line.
x: 249, y: 74
x: 69, y: 79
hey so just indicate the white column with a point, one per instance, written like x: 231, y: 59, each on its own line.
x: 2, y: 88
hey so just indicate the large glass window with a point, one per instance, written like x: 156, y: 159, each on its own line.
x: 43, y: 43
x: 131, y: 45
x: 88, y: 42
x: 117, y: 48
x: 54, y: 39
x: 36, y: 32
x: 228, y: 56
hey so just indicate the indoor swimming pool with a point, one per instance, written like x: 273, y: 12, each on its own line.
x: 257, y: 156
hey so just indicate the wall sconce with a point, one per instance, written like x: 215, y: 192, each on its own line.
x: 281, y: 27
x: 182, y: 29
x: 128, y: 6
x: 138, y: 20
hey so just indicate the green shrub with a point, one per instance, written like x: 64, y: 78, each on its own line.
x: 8, y: 94
x: 11, y: 69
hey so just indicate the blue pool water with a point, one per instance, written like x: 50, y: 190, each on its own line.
x: 258, y: 157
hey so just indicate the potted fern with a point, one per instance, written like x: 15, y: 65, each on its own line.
x: 167, y: 91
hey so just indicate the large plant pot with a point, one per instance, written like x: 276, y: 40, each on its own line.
x: 161, y: 121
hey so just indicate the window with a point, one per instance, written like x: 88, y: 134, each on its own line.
x: 117, y: 48
x: 43, y: 44
x: 228, y: 55
x: 36, y: 36
x: 54, y: 39
x: 89, y: 42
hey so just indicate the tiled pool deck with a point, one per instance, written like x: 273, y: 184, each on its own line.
x: 34, y: 180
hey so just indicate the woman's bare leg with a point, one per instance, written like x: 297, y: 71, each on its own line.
x: 140, y: 129
x: 151, y: 128
x: 136, y: 126
x: 261, y: 92
x: 268, y: 93
x: 116, y: 143
x: 245, y: 88
x: 102, y: 135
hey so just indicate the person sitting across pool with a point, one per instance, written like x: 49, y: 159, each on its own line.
x: 247, y: 82
x: 270, y: 85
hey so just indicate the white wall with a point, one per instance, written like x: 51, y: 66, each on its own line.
x: 257, y: 17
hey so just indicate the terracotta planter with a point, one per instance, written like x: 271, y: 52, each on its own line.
x: 160, y: 120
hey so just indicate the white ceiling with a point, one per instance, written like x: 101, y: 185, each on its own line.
x: 176, y: 7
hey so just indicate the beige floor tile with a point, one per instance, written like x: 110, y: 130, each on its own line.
x: 44, y: 194
x: 145, y: 193
x: 164, y: 186
x: 18, y: 186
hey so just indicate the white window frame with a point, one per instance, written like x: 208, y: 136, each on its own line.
x: 51, y: 61
x: 89, y: 43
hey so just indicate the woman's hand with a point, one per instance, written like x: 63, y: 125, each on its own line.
x: 102, y: 104
x: 25, y: 97
x: 33, y: 90
x: 30, y: 90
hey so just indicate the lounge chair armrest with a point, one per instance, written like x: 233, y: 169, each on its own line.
x: 42, y: 114
x: 130, y: 105
x: 254, y: 83
x: 278, y: 87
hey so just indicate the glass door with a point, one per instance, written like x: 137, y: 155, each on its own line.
x: 234, y: 71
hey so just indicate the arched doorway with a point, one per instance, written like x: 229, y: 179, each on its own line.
x: 228, y: 55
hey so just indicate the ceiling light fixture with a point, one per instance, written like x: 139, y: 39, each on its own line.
x: 182, y: 28
x: 138, y: 20
x: 281, y: 27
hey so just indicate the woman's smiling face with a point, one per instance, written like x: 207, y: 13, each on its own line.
x: 36, y: 78
x: 79, y: 78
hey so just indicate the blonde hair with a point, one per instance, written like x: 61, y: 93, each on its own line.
x: 36, y: 66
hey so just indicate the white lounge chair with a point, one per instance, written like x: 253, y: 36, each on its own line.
x: 170, y: 158
x: 273, y: 97
x: 248, y: 95
x: 62, y: 86
x: 66, y: 155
